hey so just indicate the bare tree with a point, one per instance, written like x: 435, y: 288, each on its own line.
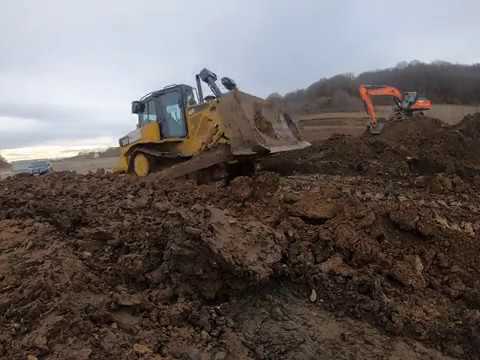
x: 440, y: 81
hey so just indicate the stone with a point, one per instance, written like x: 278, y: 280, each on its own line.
x: 221, y: 355
x: 409, y: 272
x: 128, y: 300
x: 290, y: 198
x: 468, y: 228
x: 406, y: 218
x: 142, y: 349
x: 162, y: 206
x: 314, y: 208
x: 336, y: 265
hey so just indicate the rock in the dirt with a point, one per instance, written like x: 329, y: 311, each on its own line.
x: 162, y: 206
x: 409, y: 272
x: 241, y: 188
x: 132, y: 264
x: 406, y: 217
x: 336, y: 265
x: 247, y: 250
x: 314, y: 207
x: 468, y: 228
x: 125, y: 299
x: 247, y: 246
x: 290, y: 198
x: 221, y: 355
x: 313, y: 296
x: 459, y: 184
x: 441, y: 184
x: 81, y: 354
x: 142, y: 349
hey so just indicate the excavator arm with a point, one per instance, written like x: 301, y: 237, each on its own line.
x: 366, y: 94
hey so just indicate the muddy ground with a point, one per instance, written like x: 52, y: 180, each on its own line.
x: 354, y: 249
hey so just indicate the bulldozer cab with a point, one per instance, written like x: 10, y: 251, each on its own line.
x: 167, y: 107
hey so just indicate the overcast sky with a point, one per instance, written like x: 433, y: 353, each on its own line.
x: 69, y: 69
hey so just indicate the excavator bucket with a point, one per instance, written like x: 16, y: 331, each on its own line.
x: 257, y: 127
x: 377, y: 130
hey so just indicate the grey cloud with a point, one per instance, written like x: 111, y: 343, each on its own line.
x: 43, y: 112
x: 74, y: 66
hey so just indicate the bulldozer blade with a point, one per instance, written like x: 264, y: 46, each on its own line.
x: 218, y: 155
x: 257, y: 127
x: 377, y: 130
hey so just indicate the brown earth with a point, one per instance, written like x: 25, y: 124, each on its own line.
x: 4, y: 164
x: 333, y: 262
x: 421, y: 146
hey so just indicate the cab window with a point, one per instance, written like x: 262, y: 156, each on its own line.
x: 149, y: 114
x: 172, y: 123
x: 190, y: 99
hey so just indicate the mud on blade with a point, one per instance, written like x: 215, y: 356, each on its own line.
x: 255, y: 126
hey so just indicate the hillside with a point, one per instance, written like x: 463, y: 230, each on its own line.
x: 440, y: 81
x: 110, y: 152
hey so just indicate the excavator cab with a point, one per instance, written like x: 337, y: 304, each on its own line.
x: 409, y: 98
x: 412, y: 102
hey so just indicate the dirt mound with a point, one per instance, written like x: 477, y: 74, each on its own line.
x: 4, y: 164
x: 420, y: 146
x: 321, y: 266
x: 113, y: 267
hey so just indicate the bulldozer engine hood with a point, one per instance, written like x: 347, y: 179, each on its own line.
x: 256, y: 126
x: 131, y: 137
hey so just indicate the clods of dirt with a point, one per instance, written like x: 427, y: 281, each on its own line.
x: 343, y: 265
x: 417, y: 146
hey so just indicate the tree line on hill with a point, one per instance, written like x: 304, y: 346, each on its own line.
x: 440, y: 81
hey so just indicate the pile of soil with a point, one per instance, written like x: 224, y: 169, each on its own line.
x: 335, y: 264
x: 418, y: 146
x: 4, y: 164
x: 113, y: 267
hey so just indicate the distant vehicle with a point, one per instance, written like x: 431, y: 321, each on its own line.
x: 406, y: 104
x: 37, y: 167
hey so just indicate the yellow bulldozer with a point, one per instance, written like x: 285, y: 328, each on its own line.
x: 180, y: 132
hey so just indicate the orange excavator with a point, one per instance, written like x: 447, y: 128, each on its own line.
x: 406, y: 104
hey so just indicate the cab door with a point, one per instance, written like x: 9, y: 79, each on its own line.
x: 171, y: 114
